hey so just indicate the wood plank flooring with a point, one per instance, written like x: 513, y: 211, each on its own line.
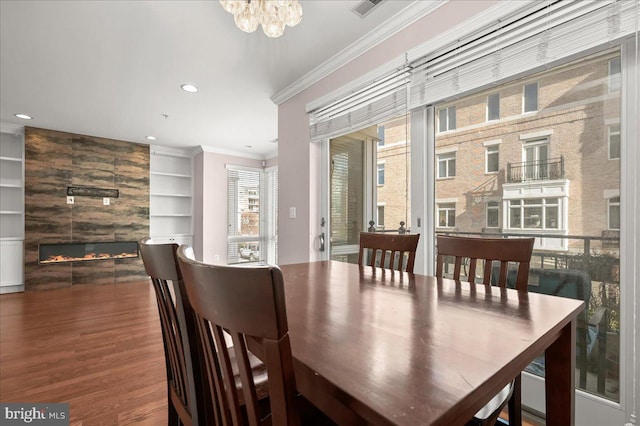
x: 96, y: 347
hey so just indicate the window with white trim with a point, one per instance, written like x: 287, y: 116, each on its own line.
x: 446, y: 215
x: 446, y: 165
x: 447, y: 119
x: 493, y: 107
x: 492, y: 158
x: 530, y: 97
x: 493, y: 214
x: 380, y: 174
x: 534, y: 213
x: 614, y: 141
x: 614, y: 74
x: 380, y: 221
x: 251, y: 215
x: 614, y: 213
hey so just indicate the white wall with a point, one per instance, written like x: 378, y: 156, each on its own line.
x: 299, y: 181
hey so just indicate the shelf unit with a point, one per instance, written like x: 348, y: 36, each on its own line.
x: 11, y: 211
x: 171, y: 195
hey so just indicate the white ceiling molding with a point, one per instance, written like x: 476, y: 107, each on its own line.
x: 211, y: 150
x: 408, y: 16
x: 15, y: 129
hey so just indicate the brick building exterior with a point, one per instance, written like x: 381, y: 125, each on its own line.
x: 535, y: 156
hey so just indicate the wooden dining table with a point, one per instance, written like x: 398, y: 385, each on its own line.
x: 372, y: 346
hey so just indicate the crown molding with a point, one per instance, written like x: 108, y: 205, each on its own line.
x: 392, y: 26
x: 212, y: 150
x: 15, y: 129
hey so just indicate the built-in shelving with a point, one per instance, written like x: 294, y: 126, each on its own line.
x: 171, y: 196
x: 11, y: 211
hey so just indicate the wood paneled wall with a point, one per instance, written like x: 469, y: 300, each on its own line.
x: 55, y: 160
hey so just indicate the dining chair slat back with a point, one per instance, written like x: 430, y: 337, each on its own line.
x: 160, y: 264
x: 246, y: 303
x: 397, y: 246
x: 490, y: 250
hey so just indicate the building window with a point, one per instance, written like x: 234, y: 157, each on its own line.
x: 614, y: 141
x: 446, y: 165
x: 447, y: 119
x: 614, y: 75
x: 493, y: 107
x: 536, y: 158
x: 614, y: 213
x: 447, y: 215
x: 493, y: 214
x: 535, y: 213
x: 380, y: 222
x: 530, y: 103
x: 492, y: 158
x: 380, y: 174
x: 380, y: 135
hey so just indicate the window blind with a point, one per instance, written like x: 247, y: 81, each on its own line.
x: 244, y: 240
x: 373, y: 103
x: 526, y: 42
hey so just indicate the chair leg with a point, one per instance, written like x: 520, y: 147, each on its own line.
x: 173, y: 419
x: 515, y: 403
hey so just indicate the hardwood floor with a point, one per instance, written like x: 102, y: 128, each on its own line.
x: 96, y: 347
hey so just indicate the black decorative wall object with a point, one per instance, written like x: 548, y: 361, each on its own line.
x: 85, y: 191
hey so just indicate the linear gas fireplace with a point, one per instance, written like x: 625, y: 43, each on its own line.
x: 79, y: 252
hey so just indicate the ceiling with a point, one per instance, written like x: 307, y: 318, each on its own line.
x: 114, y: 68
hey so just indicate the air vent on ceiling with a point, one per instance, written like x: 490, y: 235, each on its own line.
x: 365, y: 7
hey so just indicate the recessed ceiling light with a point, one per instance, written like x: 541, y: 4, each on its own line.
x: 151, y: 138
x: 23, y: 116
x: 248, y: 146
x: 189, y: 88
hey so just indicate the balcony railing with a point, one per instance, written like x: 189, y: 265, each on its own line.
x: 535, y: 170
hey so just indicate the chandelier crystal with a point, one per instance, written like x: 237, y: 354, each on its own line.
x: 272, y: 15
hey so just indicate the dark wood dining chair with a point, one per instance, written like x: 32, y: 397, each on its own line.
x: 246, y: 303
x: 514, y: 251
x: 396, y: 245
x: 160, y: 264
x: 188, y: 393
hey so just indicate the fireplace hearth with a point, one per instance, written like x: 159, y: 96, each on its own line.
x: 83, y: 252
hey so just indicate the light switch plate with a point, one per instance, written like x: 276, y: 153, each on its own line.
x: 106, y: 201
x: 70, y: 199
x: 292, y: 212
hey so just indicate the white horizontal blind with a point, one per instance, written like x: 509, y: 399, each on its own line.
x: 528, y: 42
x: 244, y: 241
x: 378, y: 101
x: 271, y: 220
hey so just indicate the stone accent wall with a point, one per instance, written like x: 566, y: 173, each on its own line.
x: 55, y: 160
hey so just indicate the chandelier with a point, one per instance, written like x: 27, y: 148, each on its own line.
x: 273, y: 15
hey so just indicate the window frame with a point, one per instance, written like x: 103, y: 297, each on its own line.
x: 611, y: 203
x: 524, y: 98
x: 609, y: 134
x: 447, y: 208
x: 544, y: 204
x: 487, y: 148
x: 446, y: 158
x: 449, y: 110
x: 380, y: 168
x: 488, y: 109
x: 492, y: 205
